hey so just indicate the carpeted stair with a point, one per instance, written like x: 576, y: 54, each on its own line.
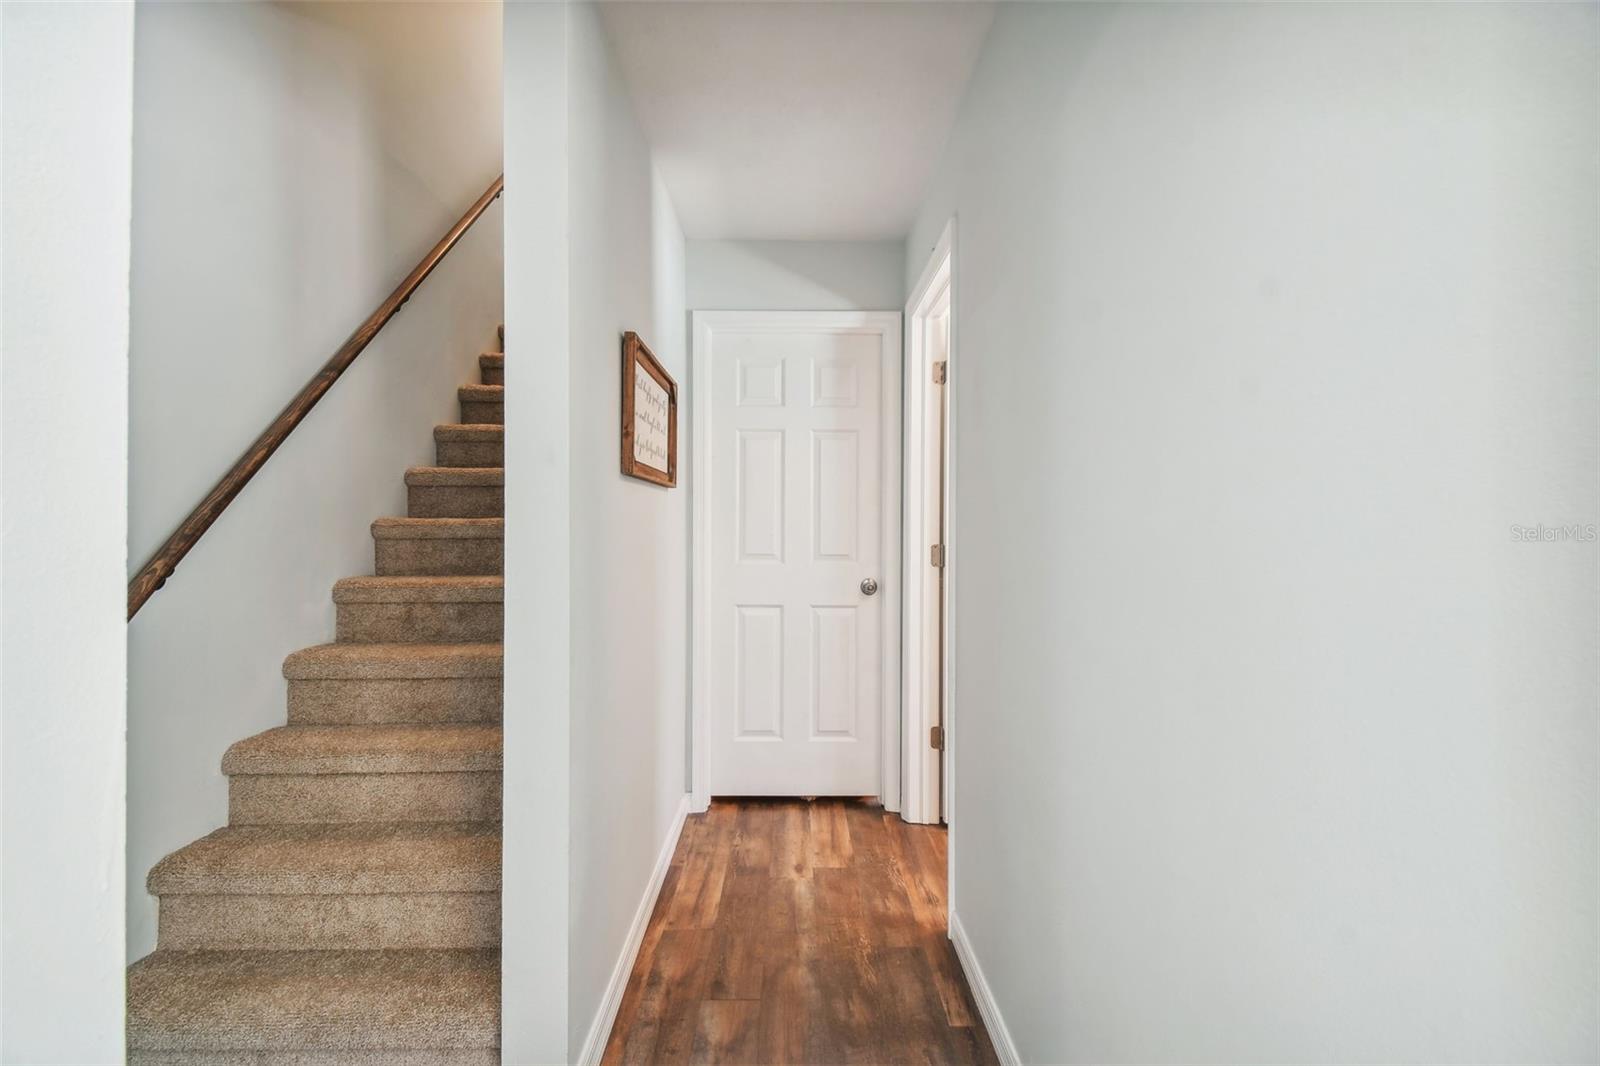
x: 349, y: 913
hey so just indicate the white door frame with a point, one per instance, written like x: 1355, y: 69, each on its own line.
x: 922, y: 801
x: 886, y: 324
x: 921, y: 791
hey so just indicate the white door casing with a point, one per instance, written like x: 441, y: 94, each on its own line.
x: 796, y: 503
x: 928, y: 690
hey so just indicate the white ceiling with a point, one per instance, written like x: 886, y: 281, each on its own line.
x: 796, y: 121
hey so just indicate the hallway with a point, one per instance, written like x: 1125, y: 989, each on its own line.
x: 794, y: 932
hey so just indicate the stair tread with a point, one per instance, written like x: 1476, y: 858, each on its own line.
x: 353, y: 859
x: 492, y: 359
x: 438, y: 528
x: 452, y: 747
x: 310, y: 1000
x: 456, y: 476
x: 404, y: 661
x: 483, y: 393
x: 470, y: 588
x: 469, y: 431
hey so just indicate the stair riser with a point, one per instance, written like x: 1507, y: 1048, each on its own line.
x: 470, y: 453
x: 341, y: 701
x: 456, y: 501
x: 425, y: 1057
x: 442, y: 556
x: 493, y: 375
x: 420, y: 623
x: 284, y: 799
x: 481, y: 413
x: 296, y: 922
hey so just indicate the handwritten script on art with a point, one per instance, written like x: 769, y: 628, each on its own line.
x: 650, y: 413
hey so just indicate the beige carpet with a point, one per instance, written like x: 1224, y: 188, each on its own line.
x: 349, y: 913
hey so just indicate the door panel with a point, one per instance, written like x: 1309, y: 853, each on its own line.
x: 758, y: 671
x: 759, y: 495
x: 835, y: 513
x: 796, y: 648
x: 835, y: 700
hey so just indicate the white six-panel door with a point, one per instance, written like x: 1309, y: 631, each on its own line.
x: 800, y: 470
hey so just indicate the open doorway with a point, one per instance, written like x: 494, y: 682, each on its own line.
x: 926, y: 668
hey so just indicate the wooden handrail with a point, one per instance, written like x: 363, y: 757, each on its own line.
x: 166, y: 559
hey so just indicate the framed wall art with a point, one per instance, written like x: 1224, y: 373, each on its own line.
x: 649, y: 415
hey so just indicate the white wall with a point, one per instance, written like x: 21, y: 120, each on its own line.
x: 535, y: 861
x: 65, y: 75
x: 796, y: 275
x: 332, y: 145
x: 1272, y: 742
x: 630, y: 547
x: 596, y: 564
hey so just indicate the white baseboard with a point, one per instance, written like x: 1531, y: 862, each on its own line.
x: 999, y: 1035
x: 594, y: 1047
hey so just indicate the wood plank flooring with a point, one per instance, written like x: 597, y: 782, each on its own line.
x: 795, y: 932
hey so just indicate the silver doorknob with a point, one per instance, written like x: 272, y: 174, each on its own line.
x: 869, y: 585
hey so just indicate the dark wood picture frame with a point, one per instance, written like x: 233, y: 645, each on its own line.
x: 637, y: 358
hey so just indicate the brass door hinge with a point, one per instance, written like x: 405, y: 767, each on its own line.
x: 936, y: 737
x: 936, y: 555
x: 939, y: 372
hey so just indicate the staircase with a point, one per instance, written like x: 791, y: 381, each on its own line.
x: 349, y: 913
